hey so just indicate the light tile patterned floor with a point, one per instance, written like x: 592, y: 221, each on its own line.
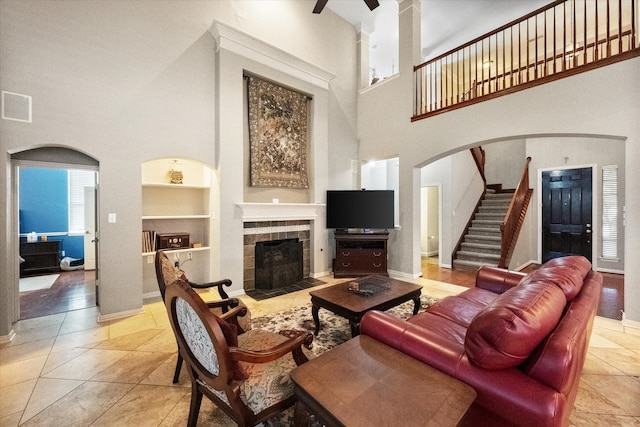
x: 67, y: 369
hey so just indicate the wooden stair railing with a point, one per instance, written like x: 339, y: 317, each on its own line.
x: 510, y: 227
x: 479, y: 157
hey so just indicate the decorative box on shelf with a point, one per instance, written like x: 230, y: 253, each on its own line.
x: 172, y: 240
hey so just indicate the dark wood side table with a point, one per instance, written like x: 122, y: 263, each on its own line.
x: 39, y: 257
x: 364, y: 383
x: 341, y: 301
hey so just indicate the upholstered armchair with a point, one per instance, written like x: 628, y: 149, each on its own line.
x: 247, y: 375
x: 167, y: 273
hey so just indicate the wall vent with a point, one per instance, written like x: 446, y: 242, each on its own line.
x: 16, y: 106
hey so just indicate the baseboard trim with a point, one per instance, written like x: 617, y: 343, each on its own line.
x: 238, y: 293
x: 150, y: 295
x: 525, y: 265
x: 631, y: 326
x: 401, y: 275
x: 610, y: 270
x: 322, y: 274
x: 119, y: 315
x: 5, y: 339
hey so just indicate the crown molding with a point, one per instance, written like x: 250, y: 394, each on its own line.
x: 248, y: 46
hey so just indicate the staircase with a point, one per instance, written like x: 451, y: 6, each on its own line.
x: 481, y: 244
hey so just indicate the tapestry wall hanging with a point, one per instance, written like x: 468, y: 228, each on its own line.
x: 277, y: 135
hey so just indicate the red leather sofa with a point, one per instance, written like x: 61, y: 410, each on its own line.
x: 519, y: 340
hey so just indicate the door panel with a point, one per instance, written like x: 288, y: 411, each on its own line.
x: 566, y: 213
x: 90, y: 228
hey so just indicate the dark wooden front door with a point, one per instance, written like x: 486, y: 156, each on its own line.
x: 566, y: 213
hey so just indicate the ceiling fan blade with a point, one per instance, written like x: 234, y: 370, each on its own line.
x: 320, y: 4
x: 372, y: 4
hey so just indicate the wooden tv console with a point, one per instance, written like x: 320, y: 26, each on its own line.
x: 360, y: 254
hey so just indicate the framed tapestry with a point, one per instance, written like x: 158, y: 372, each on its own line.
x: 278, y: 135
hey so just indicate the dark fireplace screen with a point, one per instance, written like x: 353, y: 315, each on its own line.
x: 278, y: 263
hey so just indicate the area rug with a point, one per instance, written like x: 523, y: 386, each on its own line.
x: 28, y: 284
x: 334, y: 330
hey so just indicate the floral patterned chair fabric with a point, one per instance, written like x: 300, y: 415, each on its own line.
x: 247, y: 375
x: 167, y: 273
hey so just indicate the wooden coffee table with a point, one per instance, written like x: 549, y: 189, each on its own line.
x: 364, y: 382
x: 352, y: 306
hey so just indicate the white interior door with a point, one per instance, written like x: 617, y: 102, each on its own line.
x: 90, y: 228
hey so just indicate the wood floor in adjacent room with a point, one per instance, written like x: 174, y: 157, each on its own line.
x: 74, y: 290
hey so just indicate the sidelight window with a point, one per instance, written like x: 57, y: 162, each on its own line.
x: 610, y: 212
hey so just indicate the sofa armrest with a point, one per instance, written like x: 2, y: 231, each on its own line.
x: 497, y: 280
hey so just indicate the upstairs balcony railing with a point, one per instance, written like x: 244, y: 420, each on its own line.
x: 558, y: 40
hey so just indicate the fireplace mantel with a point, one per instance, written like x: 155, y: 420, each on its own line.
x: 251, y: 212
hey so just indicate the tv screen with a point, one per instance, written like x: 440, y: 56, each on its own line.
x: 362, y: 209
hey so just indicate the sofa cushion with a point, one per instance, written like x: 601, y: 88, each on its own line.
x: 567, y: 273
x: 457, y: 309
x: 505, y: 332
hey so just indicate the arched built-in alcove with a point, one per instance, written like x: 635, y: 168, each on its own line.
x: 180, y: 197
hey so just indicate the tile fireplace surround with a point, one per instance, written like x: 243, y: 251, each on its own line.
x: 263, y: 231
x: 274, y: 221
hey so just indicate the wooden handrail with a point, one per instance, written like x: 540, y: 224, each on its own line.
x: 510, y: 227
x: 558, y: 40
x: 479, y: 157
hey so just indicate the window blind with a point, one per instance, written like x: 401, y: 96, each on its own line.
x: 610, y: 211
x: 78, y: 180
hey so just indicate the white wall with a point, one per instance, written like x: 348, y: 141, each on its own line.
x: 504, y: 163
x: 429, y: 221
x: 126, y: 82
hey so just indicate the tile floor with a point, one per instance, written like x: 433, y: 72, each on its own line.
x: 67, y: 369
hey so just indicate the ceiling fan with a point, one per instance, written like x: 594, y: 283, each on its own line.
x: 320, y: 4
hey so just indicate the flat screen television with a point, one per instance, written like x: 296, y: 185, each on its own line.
x: 360, y: 209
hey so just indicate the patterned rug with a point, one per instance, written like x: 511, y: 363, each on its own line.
x: 334, y: 330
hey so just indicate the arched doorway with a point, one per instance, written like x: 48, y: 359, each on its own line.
x: 55, y: 218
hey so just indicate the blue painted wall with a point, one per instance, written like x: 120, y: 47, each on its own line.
x: 44, y: 207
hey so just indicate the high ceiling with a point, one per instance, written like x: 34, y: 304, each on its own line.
x: 445, y: 24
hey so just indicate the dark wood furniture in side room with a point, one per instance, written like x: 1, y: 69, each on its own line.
x: 360, y: 254
x: 366, y: 383
x: 345, y: 303
x: 39, y: 257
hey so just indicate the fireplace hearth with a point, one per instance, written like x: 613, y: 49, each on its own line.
x: 278, y: 263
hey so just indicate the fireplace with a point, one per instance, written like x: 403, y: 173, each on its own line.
x: 259, y: 232
x: 278, y: 263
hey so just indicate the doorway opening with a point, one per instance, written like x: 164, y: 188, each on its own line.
x: 430, y: 223
x: 55, y: 219
x: 567, y: 213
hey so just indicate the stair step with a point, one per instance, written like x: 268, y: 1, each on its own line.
x: 478, y: 257
x: 499, y: 195
x: 461, y: 264
x: 486, y: 223
x: 493, y: 216
x: 484, y: 231
x: 493, y: 208
x: 498, y: 202
x: 483, y: 238
x: 480, y: 247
